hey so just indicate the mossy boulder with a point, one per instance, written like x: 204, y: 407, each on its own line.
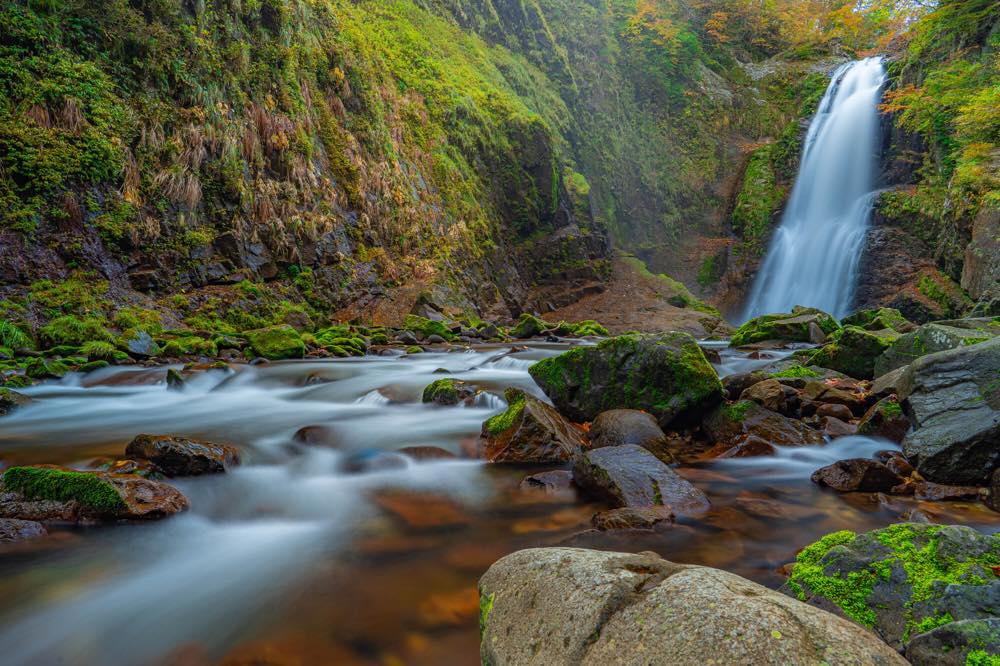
x: 732, y: 424
x: 11, y: 400
x: 448, y: 392
x: 854, y: 351
x: 879, y: 319
x: 55, y: 493
x: 801, y: 325
x: 529, y: 326
x: 905, y: 580
x: 529, y: 431
x: 935, y: 337
x: 276, y: 342
x: 425, y: 328
x: 666, y: 375
x: 42, y: 368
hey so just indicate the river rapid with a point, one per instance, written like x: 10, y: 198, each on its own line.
x: 351, y: 554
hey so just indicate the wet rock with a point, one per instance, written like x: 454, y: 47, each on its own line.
x: 904, y: 580
x: 833, y: 427
x: 175, y: 380
x: 143, y: 468
x: 618, y: 427
x: 953, y: 401
x: 421, y: 510
x: 588, y: 607
x: 276, y: 342
x: 857, y: 474
x: 182, y: 456
x: 825, y: 393
x: 45, y: 493
x: 879, y: 319
x: 773, y: 395
x: 888, y: 384
x: 733, y: 386
x: 801, y: 325
x: 11, y: 400
x: 630, y: 475
x: 315, y: 435
x: 139, y: 344
x: 750, y: 447
x: 448, y: 392
x: 885, y: 419
x: 951, y: 644
x: 932, y: 338
x: 993, y: 491
x: 553, y: 481
x: 427, y: 453
x: 12, y: 530
x: 529, y: 431
x: 666, y: 375
x: 895, y: 461
x: 368, y: 461
x: 854, y: 351
x: 733, y: 424
x: 936, y: 492
x: 633, y: 518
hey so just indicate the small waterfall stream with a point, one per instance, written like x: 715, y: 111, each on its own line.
x: 813, y: 259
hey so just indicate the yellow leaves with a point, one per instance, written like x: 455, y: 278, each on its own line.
x: 901, y: 99
x: 650, y: 21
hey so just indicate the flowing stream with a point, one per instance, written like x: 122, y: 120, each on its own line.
x: 813, y: 259
x: 307, y: 555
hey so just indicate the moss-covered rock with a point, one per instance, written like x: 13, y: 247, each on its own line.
x: 425, y: 327
x: 448, y: 392
x: 41, y: 368
x: 879, y: 319
x: 529, y: 431
x: 854, y: 351
x: 277, y: 342
x: 529, y: 326
x: 666, y: 375
x: 935, y: 337
x: 801, y: 325
x: 885, y: 419
x: 903, y: 580
x: 11, y: 400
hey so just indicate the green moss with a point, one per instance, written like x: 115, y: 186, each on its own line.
x: 427, y: 327
x: 485, y: 608
x: 442, y: 391
x: 931, y: 622
x: 758, y: 201
x: 516, y: 401
x: 188, y: 345
x: 277, y: 342
x: 530, y: 326
x: 737, y: 411
x: 73, y: 330
x: 891, y: 409
x: 414, y: 349
x: 783, y: 326
x: 40, y: 368
x: 850, y: 593
x: 12, y: 337
x: 795, y: 371
x: 40, y: 483
x: 981, y: 658
x: 98, y: 350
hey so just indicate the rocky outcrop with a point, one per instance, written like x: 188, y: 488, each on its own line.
x: 593, y: 608
x: 801, y: 325
x: 666, y: 375
x: 631, y: 476
x: 935, y: 337
x: 953, y: 401
x: 65, y: 495
x: 529, y: 431
x: 182, y: 456
x: 907, y: 583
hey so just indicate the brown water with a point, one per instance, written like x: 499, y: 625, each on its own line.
x: 290, y: 560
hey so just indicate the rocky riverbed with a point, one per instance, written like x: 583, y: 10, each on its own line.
x: 297, y: 488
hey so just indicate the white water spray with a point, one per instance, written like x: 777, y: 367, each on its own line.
x: 813, y: 259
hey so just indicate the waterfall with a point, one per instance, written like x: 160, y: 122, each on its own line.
x: 813, y: 259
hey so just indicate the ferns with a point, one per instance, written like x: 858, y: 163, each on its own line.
x: 12, y: 337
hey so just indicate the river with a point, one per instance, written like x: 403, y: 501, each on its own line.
x: 298, y: 557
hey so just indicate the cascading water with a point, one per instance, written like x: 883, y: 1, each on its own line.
x: 813, y: 259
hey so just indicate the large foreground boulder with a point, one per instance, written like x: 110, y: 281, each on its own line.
x: 66, y: 495
x: 629, y: 475
x: 801, y: 325
x: 182, y: 456
x: 567, y: 606
x: 529, y: 431
x: 666, y: 375
x: 904, y: 582
x: 953, y: 401
x: 932, y: 338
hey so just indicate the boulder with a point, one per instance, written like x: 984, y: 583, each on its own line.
x: 666, y: 375
x: 833, y: 427
x: 448, y: 392
x: 904, y: 581
x: 570, y: 607
x: 854, y: 351
x: 885, y: 419
x: 53, y: 493
x: 618, y: 427
x: 733, y: 386
x: 629, y: 475
x: 182, y: 456
x: 773, y: 395
x: 801, y: 325
x: 749, y: 447
x: 735, y: 423
x: 13, y: 530
x: 554, y: 481
x: 11, y: 400
x: 981, y: 269
x: 841, y: 412
x: 937, y: 492
x: 276, y: 342
x: 962, y: 643
x: 175, y: 380
x: 953, y: 401
x: 633, y: 518
x: 878, y: 319
x: 529, y: 431
x: 139, y: 344
x: 852, y: 397
x: 857, y: 474
x: 932, y: 338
